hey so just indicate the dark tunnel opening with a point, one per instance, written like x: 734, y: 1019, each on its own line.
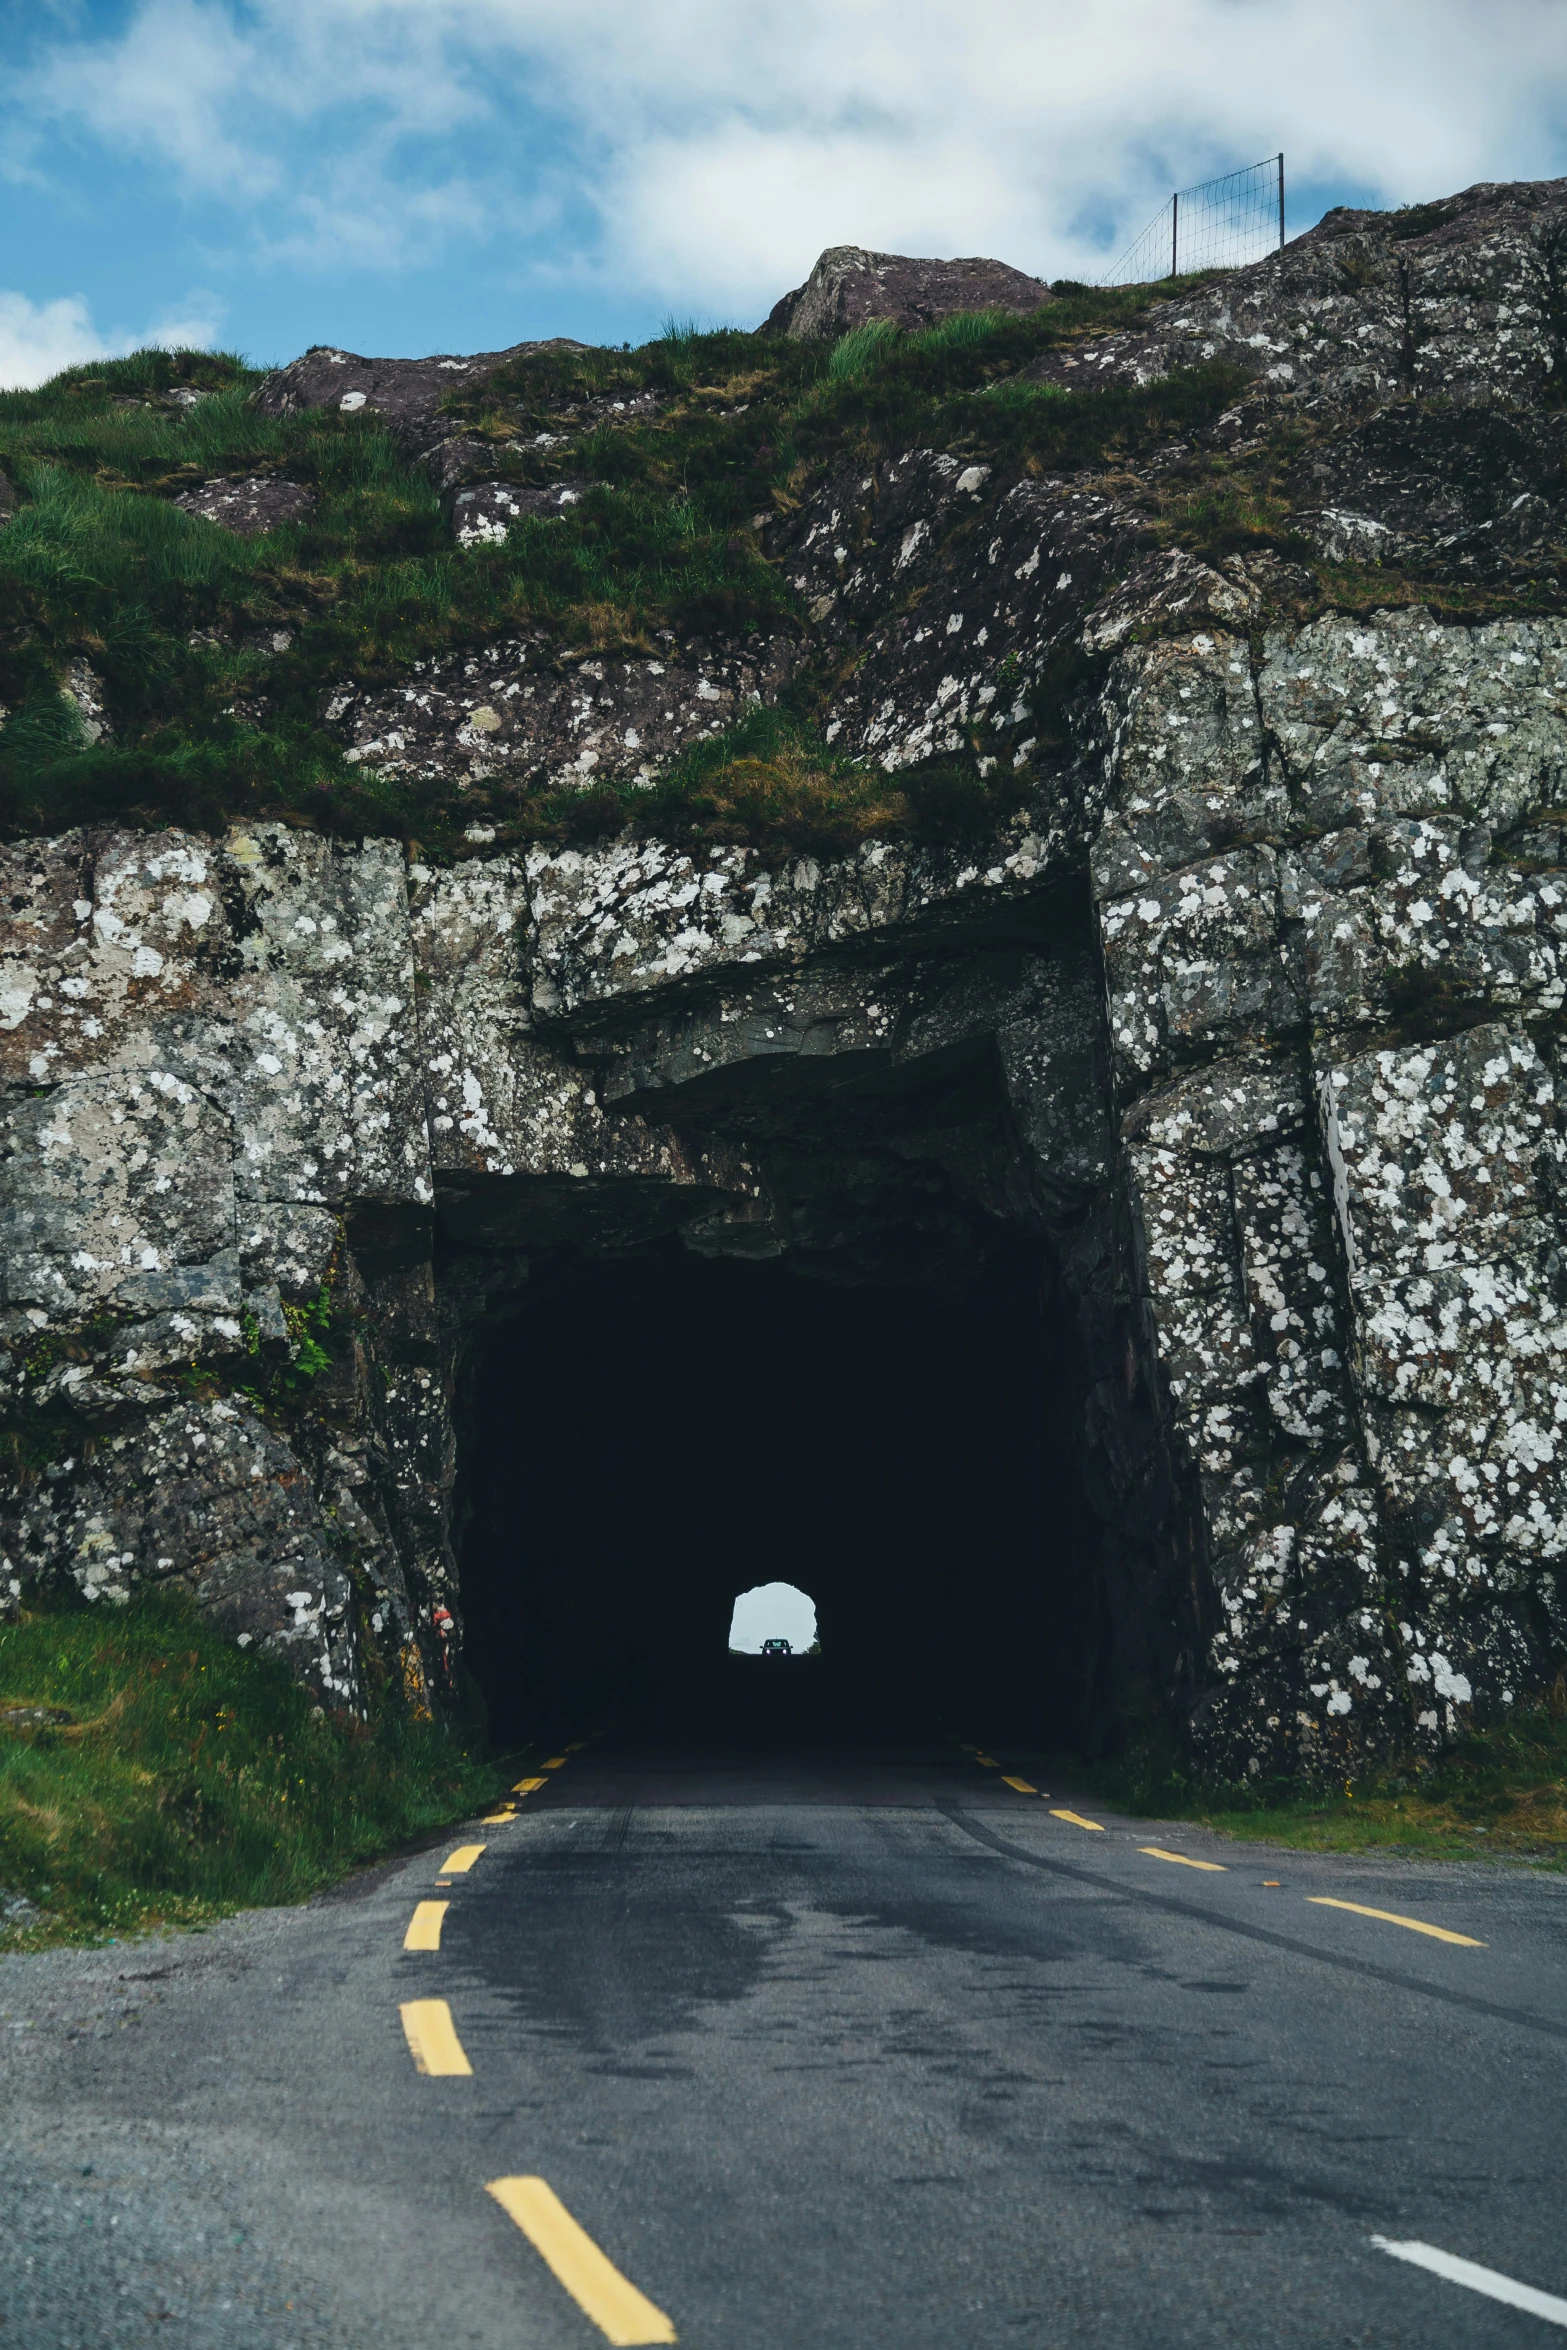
x: 651, y: 1436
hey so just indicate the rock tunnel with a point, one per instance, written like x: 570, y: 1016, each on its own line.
x: 1117, y: 1254
x: 871, y: 1380
x: 649, y: 1440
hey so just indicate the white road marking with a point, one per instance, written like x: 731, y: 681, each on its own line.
x: 1489, y: 2281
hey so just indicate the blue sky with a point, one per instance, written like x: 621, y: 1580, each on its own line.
x: 414, y: 175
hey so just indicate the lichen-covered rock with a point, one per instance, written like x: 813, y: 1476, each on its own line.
x: 1446, y: 1157
x: 204, y: 1498
x: 85, y: 691
x: 232, y: 1077
x: 639, y: 916
x: 505, y: 1102
x: 1458, y: 301
x: 849, y: 286
x: 249, y: 504
x: 484, y: 513
x: 525, y: 715
x: 406, y: 394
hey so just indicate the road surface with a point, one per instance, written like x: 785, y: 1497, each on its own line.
x: 859, y: 2049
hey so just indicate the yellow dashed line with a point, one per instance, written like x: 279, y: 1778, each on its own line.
x: 621, y: 2313
x: 1182, y: 1860
x: 1075, y: 1819
x: 424, y: 1930
x: 456, y: 1864
x: 988, y: 1761
x: 498, y: 1819
x: 1390, y: 1917
x: 557, y: 1762
x: 1021, y: 1785
x: 528, y: 1786
x: 432, y: 2037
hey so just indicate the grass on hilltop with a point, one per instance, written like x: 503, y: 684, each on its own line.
x: 1498, y: 1792
x: 174, y: 613
x: 188, y: 1779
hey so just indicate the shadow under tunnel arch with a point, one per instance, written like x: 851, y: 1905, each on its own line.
x: 649, y: 1437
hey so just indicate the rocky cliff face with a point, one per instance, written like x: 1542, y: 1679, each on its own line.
x: 1246, y: 1023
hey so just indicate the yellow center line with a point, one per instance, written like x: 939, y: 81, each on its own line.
x: 424, y: 1928
x: 528, y: 1786
x: 432, y: 2037
x: 988, y: 1761
x: 557, y: 1762
x: 1390, y: 1917
x: 498, y: 1819
x: 1021, y: 1785
x: 1075, y: 1819
x: 576, y: 1746
x: 457, y: 1863
x: 1182, y: 1860
x: 621, y: 2313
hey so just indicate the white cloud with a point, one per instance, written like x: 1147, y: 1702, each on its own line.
x: 705, y: 151
x: 37, y: 339
x: 1043, y: 131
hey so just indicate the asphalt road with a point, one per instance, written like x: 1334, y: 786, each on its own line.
x: 848, y: 2050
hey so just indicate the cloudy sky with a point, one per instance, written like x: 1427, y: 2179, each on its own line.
x: 413, y: 175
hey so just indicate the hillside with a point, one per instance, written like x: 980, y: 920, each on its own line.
x: 227, y: 572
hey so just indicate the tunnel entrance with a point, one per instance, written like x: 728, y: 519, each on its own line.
x: 647, y: 1438
x: 898, y: 1366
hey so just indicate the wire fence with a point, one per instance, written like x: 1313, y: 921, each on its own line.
x: 1219, y: 224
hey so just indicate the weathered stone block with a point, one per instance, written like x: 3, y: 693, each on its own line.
x: 1195, y: 964
x: 117, y: 1195
x: 205, y: 1497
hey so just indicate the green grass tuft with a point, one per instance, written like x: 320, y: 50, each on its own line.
x: 852, y: 354
x: 1499, y: 1792
x: 192, y: 1779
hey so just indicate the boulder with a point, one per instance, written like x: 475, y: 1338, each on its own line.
x: 405, y: 394
x: 483, y: 513
x: 849, y: 287
x: 253, y: 504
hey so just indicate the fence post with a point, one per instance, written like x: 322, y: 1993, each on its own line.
x: 1175, y: 232
x: 1281, y: 201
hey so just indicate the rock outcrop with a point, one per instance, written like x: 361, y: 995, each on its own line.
x: 1248, y: 1022
x: 249, y: 504
x: 849, y: 287
x: 515, y: 715
x: 406, y: 396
